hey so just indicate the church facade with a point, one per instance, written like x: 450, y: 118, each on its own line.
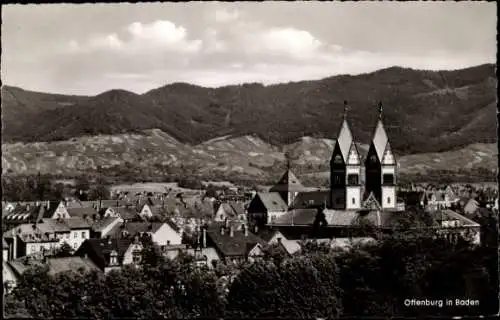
x: 355, y: 179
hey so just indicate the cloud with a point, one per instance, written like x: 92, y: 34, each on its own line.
x: 225, y: 16
x: 139, y: 37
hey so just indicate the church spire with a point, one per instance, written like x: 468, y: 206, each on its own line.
x: 380, y: 109
x: 346, y: 108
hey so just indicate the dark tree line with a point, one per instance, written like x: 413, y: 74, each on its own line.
x: 373, y: 279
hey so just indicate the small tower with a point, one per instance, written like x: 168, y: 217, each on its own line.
x: 345, y: 170
x: 381, y: 167
x: 288, y: 186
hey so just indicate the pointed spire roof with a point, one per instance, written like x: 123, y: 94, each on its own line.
x: 344, y: 138
x: 380, y: 139
x: 288, y: 182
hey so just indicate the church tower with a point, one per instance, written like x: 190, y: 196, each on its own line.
x: 380, y: 167
x: 288, y: 186
x: 345, y: 170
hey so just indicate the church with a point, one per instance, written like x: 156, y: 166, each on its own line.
x: 363, y: 188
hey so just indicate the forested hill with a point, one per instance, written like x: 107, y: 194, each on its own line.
x: 425, y: 111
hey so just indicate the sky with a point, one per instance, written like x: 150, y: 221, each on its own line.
x: 91, y: 48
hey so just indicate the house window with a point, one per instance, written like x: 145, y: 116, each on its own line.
x: 388, y: 200
x: 136, y: 256
x: 67, y: 235
x: 353, y: 179
x: 83, y: 234
x: 75, y: 235
x: 353, y: 200
x: 113, y: 258
x: 337, y: 159
x: 75, y: 245
x: 388, y: 178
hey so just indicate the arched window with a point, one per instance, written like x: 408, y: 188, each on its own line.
x: 353, y: 179
x: 388, y: 178
x: 389, y: 200
x: 353, y: 200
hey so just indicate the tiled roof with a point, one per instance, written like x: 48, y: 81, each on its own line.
x: 31, y: 233
x: 75, y: 263
x: 134, y: 228
x: 344, y: 140
x: 53, y: 225
x: 77, y: 223
x: 310, y: 199
x: 126, y: 212
x: 296, y: 217
x: 380, y: 139
x: 340, y: 217
x: 266, y: 234
x: 81, y: 212
x: 20, y: 266
x: 452, y: 215
x: 79, y: 204
x: 99, y: 225
x: 113, y: 203
x: 272, y: 201
x: 103, y: 247
x: 24, y: 212
x: 237, y: 245
x: 291, y: 246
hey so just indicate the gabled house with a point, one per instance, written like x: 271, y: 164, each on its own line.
x: 230, y: 210
x: 83, y: 212
x: 80, y: 231
x: 233, y: 246
x: 162, y: 233
x: 149, y: 212
x: 101, y: 228
x: 125, y: 213
x: 205, y: 256
x: 14, y: 269
x: 110, y: 254
x: 265, y: 207
x: 29, y: 239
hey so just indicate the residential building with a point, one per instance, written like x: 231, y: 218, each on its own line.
x: 111, y: 254
x: 233, y: 246
x: 102, y: 228
x: 231, y: 210
x: 265, y: 207
x: 128, y: 213
x: 162, y: 233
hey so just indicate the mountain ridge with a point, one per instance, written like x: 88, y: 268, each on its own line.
x: 424, y: 111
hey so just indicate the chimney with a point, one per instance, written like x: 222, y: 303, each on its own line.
x: 231, y: 231
x: 204, y: 239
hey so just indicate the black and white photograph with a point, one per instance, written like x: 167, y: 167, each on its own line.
x: 249, y: 160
